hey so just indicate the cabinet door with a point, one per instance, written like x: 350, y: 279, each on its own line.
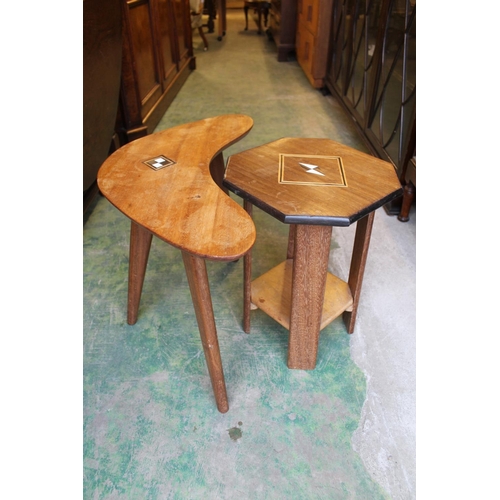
x: 167, y: 42
x: 183, y: 30
x: 157, y: 58
x: 313, y: 31
x: 308, y: 15
x: 305, y: 50
x: 102, y: 58
x: 142, y: 53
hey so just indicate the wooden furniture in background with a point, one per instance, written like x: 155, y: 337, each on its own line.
x: 164, y: 184
x: 216, y: 10
x: 282, y: 26
x: 102, y: 57
x: 260, y: 8
x: 196, y: 7
x: 409, y: 190
x: 157, y: 59
x: 372, y: 72
x: 221, y: 19
x: 311, y: 184
x: 312, y: 40
x: 408, y: 175
x: 210, y: 9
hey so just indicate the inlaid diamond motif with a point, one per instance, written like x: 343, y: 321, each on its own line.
x: 159, y: 162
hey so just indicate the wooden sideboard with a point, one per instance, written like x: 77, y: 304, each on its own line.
x: 157, y: 59
x: 137, y: 56
x: 313, y: 37
x: 282, y: 26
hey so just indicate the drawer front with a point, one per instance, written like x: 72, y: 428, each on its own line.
x: 308, y: 14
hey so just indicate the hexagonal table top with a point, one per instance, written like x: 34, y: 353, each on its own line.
x: 312, y: 181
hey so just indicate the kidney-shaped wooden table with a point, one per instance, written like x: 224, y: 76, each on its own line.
x: 170, y: 185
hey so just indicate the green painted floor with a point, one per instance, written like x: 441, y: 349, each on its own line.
x: 151, y: 428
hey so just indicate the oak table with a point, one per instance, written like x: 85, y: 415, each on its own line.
x: 311, y: 184
x: 169, y: 185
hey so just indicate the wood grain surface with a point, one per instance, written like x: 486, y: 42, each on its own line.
x: 181, y: 204
x: 272, y: 293
x: 196, y: 272
x: 310, y: 269
x: 369, y: 182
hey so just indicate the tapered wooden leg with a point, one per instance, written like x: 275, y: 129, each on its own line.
x: 140, y: 244
x: 310, y: 267
x: 247, y: 278
x: 196, y: 272
x: 217, y: 169
x: 358, y: 263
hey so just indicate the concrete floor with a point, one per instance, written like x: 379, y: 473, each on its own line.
x: 151, y: 429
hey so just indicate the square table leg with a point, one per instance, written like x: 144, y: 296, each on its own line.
x: 291, y: 241
x: 358, y: 263
x: 247, y: 278
x: 140, y: 244
x: 310, y: 267
x: 196, y: 272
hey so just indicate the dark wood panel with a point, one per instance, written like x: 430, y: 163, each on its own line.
x: 372, y: 70
x: 282, y: 26
x: 102, y: 50
x: 166, y: 36
x: 183, y: 29
x: 155, y: 64
x: 143, y: 53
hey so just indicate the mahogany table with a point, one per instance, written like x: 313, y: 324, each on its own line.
x: 311, y: 184
x: 169, y: 185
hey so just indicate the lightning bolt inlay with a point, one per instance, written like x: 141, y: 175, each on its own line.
x: 310, y: 169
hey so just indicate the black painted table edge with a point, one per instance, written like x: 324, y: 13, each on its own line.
x: 310, y: 219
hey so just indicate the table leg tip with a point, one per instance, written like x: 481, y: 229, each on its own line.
x: 223, y: 408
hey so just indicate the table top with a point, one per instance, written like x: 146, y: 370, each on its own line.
x: 312, y: 181
x: 163, y: 182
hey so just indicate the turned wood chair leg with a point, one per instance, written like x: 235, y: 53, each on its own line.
x: 203, y: 37
x: 140, y: 244
x: 408, y: 197
x: 310, y: 268
x: 196, y: 272
x: 358, y: 263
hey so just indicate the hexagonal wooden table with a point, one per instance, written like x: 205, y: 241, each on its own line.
x: 311, y: 184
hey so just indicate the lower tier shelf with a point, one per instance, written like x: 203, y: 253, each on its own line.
x: 272, y: 293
